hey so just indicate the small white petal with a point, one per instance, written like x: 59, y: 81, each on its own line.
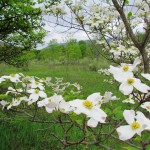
x: 126, y: 89
x: 42, y: 94
x: 146, y: 76
x: 125, y: 132
x: 34, y: 97
x: 49, y: 110
x: 98, y: 114
x: 64, y: 107
x: 76, y: 103
x: 51, y: 105
x: 141, y: 87
x: 92, y: 123
x: 95, y: 98
x: 143, y: 120
x: 129, y: 116
x: 41, y: 103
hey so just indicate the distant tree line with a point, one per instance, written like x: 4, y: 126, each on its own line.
x: 70, y: 52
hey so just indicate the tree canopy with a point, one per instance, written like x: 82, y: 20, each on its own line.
x: 20, y: 27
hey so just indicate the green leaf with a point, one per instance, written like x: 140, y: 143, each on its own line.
x: 77, y: 118
x: 129, y: 14
x: 126, y: 1
x: 130, y: 148
x: 118, y: 113
x: 148, y: 147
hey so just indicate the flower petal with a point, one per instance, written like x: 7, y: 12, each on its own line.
x: 141, y: 87
x: 76, y: 103
x: 146, y: 76
x: 129, y: 116
x: 125, y: 88
x: 125, y: 132
x: 42, y: 94
x: 98, y: 114
x: 95, y: 98
x: 92, y: 123
x: 143, y: 120
x: 49, y: 110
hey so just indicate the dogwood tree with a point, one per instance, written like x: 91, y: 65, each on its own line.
x: 115, y: 24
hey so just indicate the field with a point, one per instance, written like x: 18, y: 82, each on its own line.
x: 18, y: 132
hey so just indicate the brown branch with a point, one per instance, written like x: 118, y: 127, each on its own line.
x: 126, y: 23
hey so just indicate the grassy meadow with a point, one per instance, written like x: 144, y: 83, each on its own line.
x: 17, y: 132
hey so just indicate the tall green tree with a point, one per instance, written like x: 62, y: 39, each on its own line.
x: 20, y: 28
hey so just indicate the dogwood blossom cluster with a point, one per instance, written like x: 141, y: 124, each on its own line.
x: 29, y: 90
x: 124, y: 74
x: 122, y: 51
x: 103, y: 22
x: 102, y: 19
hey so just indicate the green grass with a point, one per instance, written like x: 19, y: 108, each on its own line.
x: 22, y: 134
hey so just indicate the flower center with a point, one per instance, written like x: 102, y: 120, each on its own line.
x: 125, y: 68
x: 135, y: 125
x: 43, y: 79
x: 36, y: 91
x: 88, y: 104
x: 36, y: 82
x: 148, y: 107
x: 49, y: 100
x: 12, y: 75
x: 130, y: 81
x: 128, y: 99
x: 63, y: 109
x: 18, y: 98
x: 94, y: 20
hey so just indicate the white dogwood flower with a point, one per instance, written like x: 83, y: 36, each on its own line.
x: 35, y: 84
x: 17, y: 101
x: 35, y: 94
x: 129, y: 83
x: 92, y: 123
x: 51, y: 103
x: 129, y: 100
x: 14, y: 91
x: 90, y: 107
x: 136, y: 124
x: 65, y: 107
x: 146, y: 106
x: 108, y: 97
x: 124, y: 70
x: 13, y: 78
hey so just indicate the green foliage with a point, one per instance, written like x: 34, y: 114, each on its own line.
x: 70, y: 52
x: 20, y: 23
x: 20, y: 29
x: 15, y: 56
x: 129, y: 14
x: 127, y: 1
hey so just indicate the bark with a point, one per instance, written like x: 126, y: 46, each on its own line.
x: 140, y: 46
